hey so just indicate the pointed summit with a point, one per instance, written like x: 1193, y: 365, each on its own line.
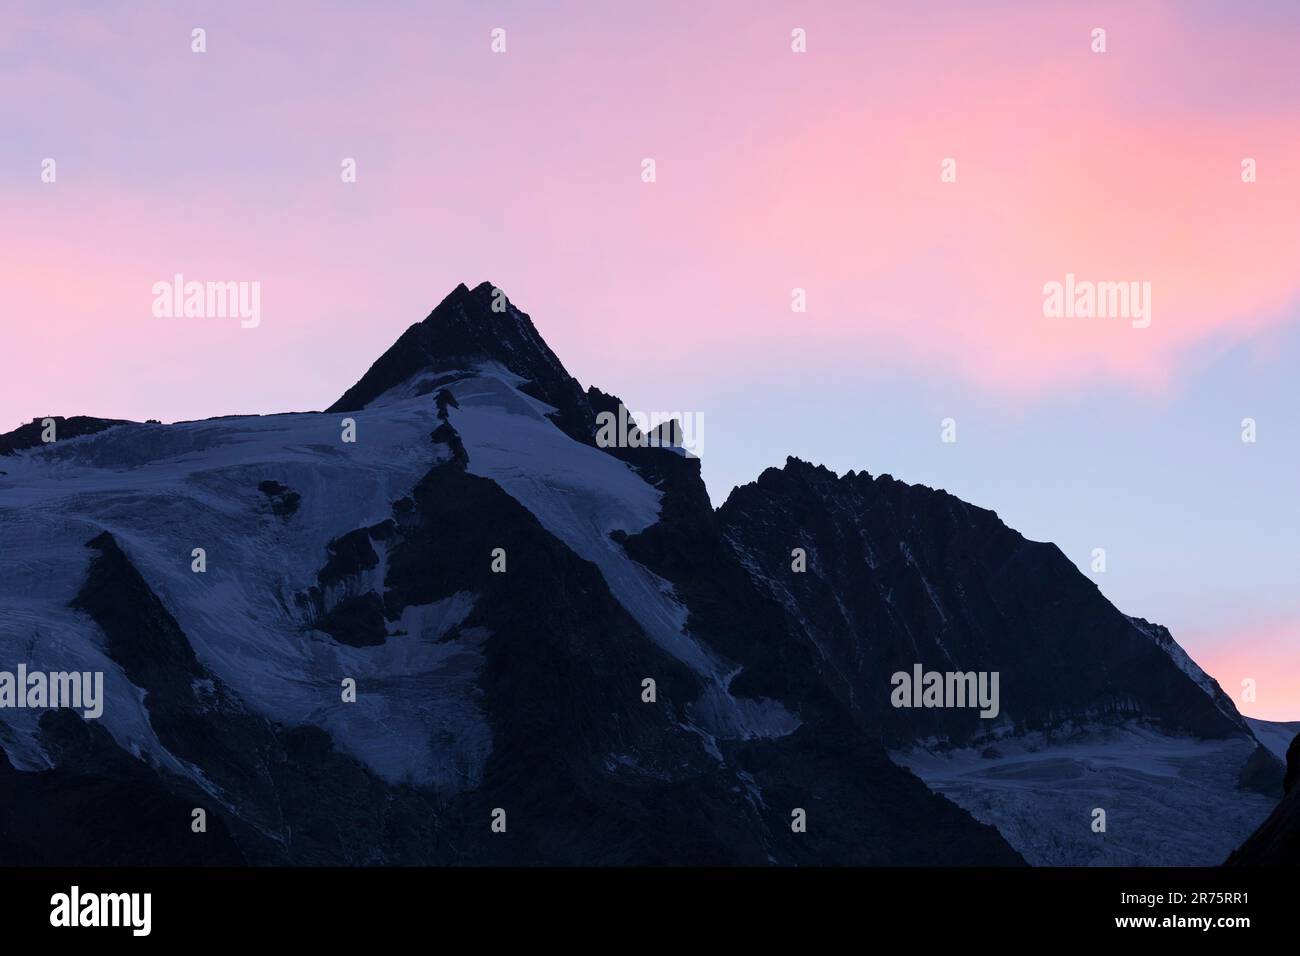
x: 466, y: 328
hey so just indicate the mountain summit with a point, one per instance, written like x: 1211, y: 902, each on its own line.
x: 438, y: 623
x: 470, y: 326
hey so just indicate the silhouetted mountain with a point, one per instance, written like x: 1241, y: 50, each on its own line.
x: 467, y: 327
x: 472, y: 615
x: 902, y: 574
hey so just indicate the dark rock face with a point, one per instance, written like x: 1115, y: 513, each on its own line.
x: 1263, y: 773
x: 285, y: 794
x: 343, y: 606
x: 102, y: 807
x: 1277, y: 841
x: 600, y: 777
x: 284, y: 501
x: 357, y: 621
x: 142, y: 636
x: 194, y: 714
x: 900, y: 574
x: 348, y: 555
x: 29, y: 435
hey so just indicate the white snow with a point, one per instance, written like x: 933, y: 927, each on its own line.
x: 165, y: 490
x: 1169, y: 801
x: 580, y: 494
x: 1276, y: 735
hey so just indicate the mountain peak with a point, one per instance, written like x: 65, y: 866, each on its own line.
x: 468, y: 327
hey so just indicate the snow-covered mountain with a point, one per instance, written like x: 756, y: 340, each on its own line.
x: 499, y: 588
x: 1099, y: 711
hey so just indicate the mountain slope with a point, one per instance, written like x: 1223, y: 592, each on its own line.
x: 467, y: 327
x: 500, y: 590
x: 329, y: 561
x: 900, y: 574
x: 1096, y: 710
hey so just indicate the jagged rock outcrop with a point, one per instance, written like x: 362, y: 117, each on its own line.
x: 899, y: 575
x: 1277, y: 841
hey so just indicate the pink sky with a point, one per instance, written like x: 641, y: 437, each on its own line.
x: 775, y: 170
x: 1259, y: 654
